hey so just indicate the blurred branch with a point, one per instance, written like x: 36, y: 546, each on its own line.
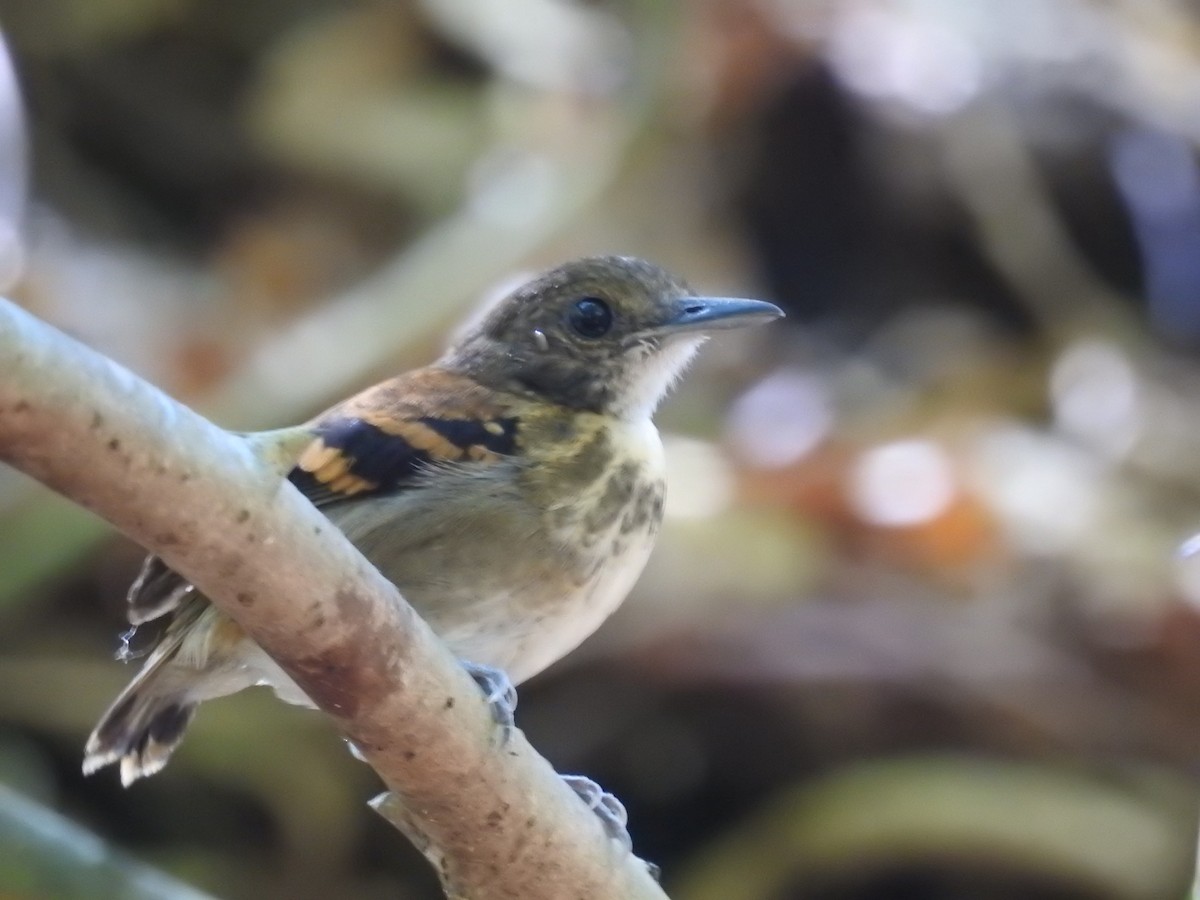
x: 14, y: 173
x: 498, y: 822
x: 994, y: 176
x: 44, y: 855
x: 315, y: 828
x: 1026, y: 686
x: 1001, y: 822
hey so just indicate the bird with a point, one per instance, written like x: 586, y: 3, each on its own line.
x: 512, y: 491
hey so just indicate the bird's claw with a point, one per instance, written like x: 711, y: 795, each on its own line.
x: 498, y: 691
x: 605, y: 805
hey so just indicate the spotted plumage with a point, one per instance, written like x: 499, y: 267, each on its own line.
x: 512, y: 491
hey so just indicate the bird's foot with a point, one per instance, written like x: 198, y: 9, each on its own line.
x: 605, y: 805
x: 499, y: 692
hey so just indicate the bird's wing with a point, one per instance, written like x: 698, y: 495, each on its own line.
x: 379, y: 440
x: 373, y: 443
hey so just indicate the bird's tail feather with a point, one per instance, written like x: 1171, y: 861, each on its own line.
x: 147, y: 720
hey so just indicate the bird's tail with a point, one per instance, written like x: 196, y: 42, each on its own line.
x: 141, y: 730
x: 147, y: 720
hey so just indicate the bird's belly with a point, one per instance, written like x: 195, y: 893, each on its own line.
x: 594, y: 541
x: 524, y: 630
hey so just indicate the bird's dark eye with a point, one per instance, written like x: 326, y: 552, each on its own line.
x: 590, y: 317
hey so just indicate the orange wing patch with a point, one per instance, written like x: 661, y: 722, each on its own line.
x: 381, y: 439
x: 330, y: 467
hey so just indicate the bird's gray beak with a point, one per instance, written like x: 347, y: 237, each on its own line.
x: 705, y: 314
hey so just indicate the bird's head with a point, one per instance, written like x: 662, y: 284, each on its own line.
x: 606, y: 334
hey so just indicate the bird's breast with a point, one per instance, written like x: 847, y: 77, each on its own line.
x: 610, y: 486
x: 604, y: 527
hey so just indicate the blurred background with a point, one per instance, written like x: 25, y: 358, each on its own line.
x: 923, y: 619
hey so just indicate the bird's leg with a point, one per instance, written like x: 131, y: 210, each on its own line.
x: 501, y: 698
x: 498, y: 690
x: 611, y: 812
x: 605, y: 805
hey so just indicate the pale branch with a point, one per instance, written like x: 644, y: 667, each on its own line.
x: 496, y: 820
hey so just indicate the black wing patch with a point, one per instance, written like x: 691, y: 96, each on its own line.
x: 352, y: 456
x: 496, y: 436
